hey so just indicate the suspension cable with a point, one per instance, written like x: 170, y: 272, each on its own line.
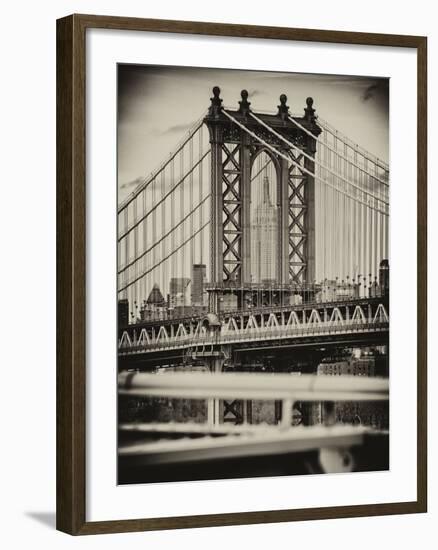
x: 336, y: 174
x: 175, y: 186
x: 354, y: 146
x: 334, y: 150
x: 147, y: 181
x: 302, y: 168
x: 175, y: 251
x: 158, y: 242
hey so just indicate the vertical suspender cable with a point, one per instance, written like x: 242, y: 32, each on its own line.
x: 380, y: 255
x: 336, y: 221
x: 200, y: 184
x: 349, y: 204
x: 172, y: 218
x: 330, y: 222
x: 324, y: 207
x: 163, y: 265
x: 154, y: 232
x: 376, y: 228
x: 342, y: 235
x: 126, y: 243
x: 191, y: 206
x: 358, y: 225
x: 145, y: 243
x: 363, y: 239
x: 318, y: 220
x: 370, y: 228
x: 137, y: 284
x: 386, y: 236
x: 180, y: 264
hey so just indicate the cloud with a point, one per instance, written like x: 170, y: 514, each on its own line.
x: 370, y: 92
x: 130, y: 184
x: 177, y: 128
x: 378, y: 90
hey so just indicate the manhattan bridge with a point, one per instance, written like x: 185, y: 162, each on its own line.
x: 260, y: 244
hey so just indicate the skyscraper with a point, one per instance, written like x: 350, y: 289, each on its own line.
x: 198, y: 284
x: 123, y: 312
x: 178, y: 291
x: 155, y: 304
x: 264, y: 238
x: 155, y: 298
x: 384, y: 277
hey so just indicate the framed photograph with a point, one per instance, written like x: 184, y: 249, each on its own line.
x: 241, y: 274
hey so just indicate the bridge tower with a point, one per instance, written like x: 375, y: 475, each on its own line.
x: 236, y: 141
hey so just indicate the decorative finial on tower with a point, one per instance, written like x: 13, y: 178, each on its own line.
x: 244, y: 104
x: 283, y: 109
x: 309, y: 110
x: 216, y: 103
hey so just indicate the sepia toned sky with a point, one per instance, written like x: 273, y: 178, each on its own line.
x: 158, y: 105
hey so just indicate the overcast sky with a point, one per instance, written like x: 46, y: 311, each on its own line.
x: 157, y: 105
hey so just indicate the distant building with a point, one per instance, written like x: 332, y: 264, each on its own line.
x: 327, y: 292
x: 178, y: 285
x: 333, y: 290
x: 384, y: 277
x: 359, y: 363
x: 380, y: 288
x: 264, y: 238
x: 295, y: 299
x: 199, y: 295
x: 347, y: 290
x: 155, y: 298
x: 375, y: 290
x: 229, y: 302
x: 123, y: 313
x: 155, y: 305
x: 178, y: 292
x: 335, y: 366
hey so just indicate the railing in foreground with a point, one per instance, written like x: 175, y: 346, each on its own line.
x: 332, y: 441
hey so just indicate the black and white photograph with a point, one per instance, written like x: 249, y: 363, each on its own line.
x: 219, y: 275
x: 253, y: 274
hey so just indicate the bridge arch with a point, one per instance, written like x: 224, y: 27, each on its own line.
x: 257, y: 151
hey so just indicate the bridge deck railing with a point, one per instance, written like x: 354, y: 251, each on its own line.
x: 226, y: 336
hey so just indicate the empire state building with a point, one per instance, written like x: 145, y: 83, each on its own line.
x: 264, y: 238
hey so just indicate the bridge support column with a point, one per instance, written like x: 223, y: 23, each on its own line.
x: 215, y: 362
x: 213, y: 404
x: 216, y: 235
x: 328, y: 413
x: 283, y: 229
x: 245, y: 182
x: 311, y: 413
x: 310, y: 275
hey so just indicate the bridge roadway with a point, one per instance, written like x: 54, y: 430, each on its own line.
x: 353, y: 322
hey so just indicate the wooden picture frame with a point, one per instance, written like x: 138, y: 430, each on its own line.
x: 71, y: 273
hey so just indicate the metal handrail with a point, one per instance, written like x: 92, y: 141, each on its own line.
x: 225, y: 385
